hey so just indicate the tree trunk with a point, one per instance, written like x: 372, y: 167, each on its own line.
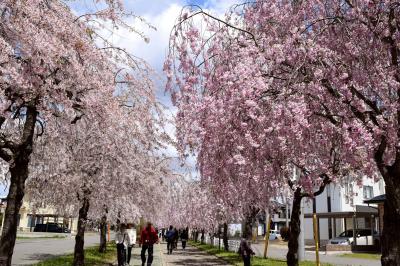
x: 225, y: 237
x: 390, y: 240
x: 19, y: 173
x: 14, y: 203
x: 294, y: 230
x: 219, y: 237
x: 79, y: 254
x: 103, y: 235
x: 248, y: 224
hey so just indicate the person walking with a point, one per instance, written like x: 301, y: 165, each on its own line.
x: 148, y: 238
x: 184, y: 237
x: 176, y: 238
x: 122, y: 240
x: 245, y: 251
x: 170, y: 237
x: 163, y: 234
x: 131, y: 231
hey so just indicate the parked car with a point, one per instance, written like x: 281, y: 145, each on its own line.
x: 51, y: 228
x: 363, y: 237
x: 274, y: 234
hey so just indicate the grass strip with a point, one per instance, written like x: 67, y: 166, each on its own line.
x: 92, y: 257
x: 368, y: 256
x: 234, y: 258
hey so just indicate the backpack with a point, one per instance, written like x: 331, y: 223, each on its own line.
x: 121, y: 245
x: 170, y: 234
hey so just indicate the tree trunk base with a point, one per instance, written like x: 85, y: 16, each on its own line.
x: 390, y: 240
x: 103, y: 236
x: 79, y: 252
x: 292, y: 256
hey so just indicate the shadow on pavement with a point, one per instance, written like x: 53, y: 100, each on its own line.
x: 190, y: 261
x: 192, y: 256
x: 42, y: 256
x: 186, y: 253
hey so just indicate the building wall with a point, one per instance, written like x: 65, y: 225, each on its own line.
x: 26, y: 213
x: 344, y: 198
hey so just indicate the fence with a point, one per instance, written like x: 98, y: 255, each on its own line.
x: 232, y: 244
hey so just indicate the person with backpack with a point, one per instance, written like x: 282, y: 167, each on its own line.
x: 245, y: 251
x: 123, y: 241
x: 148, y: 238
x: 170, y: 237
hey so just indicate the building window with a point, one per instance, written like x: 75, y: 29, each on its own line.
x: 348, y: 192
x: 368, y: 192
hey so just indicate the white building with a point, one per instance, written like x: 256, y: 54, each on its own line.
x: 341, y: 204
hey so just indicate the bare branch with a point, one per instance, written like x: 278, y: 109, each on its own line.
x: 202, y: 12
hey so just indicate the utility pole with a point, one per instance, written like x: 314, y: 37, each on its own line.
x: 316, y: 240
x: 287, y: 213
x: 108, y: 232
x: 267, y: 223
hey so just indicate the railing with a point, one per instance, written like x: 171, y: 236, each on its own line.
x: 232, y: 244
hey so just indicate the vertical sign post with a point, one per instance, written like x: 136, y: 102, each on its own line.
x: 316, y: 239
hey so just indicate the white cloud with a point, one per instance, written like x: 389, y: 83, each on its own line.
x: 220, y: 6
x: 162, y: 14
x: 155, y: 51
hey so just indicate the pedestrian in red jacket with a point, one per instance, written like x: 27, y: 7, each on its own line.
x: 148, y: 238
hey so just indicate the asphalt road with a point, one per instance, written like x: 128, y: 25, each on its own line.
x: 279, y: 252
x: 30, y: 251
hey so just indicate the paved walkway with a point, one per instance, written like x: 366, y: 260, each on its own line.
x: 190, y: 256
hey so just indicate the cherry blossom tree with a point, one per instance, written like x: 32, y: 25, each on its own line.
x: 191, y: 206
x: 198, y: 205
x: 54, y: 68
x: 107, y: 164
x: 102, y: 163
x: 310, y: 84
x: 242, y: 154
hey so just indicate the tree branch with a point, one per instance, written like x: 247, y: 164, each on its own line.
x: 5, y: 155
x: 219, y: 20
x: 326, y: 180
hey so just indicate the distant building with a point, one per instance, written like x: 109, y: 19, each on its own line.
x: 28, y: 217
x: 341, y: 207
x: 280, y: 217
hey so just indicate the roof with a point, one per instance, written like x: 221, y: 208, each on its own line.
x: 377, y: 199
x: 361, y: 211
